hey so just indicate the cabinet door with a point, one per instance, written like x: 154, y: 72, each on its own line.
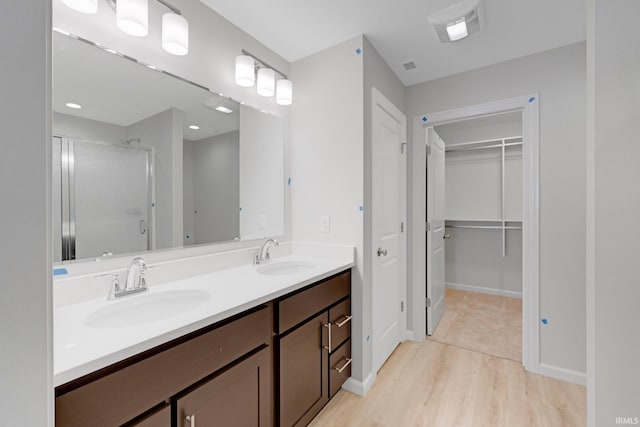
x: 303, y: 372
x: 239, y: 396
x: 159, y: 418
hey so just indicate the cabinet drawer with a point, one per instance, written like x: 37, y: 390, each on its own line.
x: 159, y: 418
x: 124, y: 394
x: 340, y: 320
x: 296, y: 308
x: 339, y: 368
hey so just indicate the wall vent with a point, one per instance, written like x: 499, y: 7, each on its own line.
x: 409, y: 65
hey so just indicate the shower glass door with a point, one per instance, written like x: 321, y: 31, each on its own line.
x: 106, y: 199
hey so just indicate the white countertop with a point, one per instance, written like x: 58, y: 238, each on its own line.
x: 80, y: 349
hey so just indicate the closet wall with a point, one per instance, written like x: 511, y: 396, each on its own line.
x: 484, y: 204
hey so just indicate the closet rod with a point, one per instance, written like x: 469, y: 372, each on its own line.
x: 484, y: 227
x: 483, y: 147
x: 464, y: 144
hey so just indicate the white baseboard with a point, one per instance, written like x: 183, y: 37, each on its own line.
x: 482, y: 290
x: 360, y: 388
x: 408, y: 336
x: 563, y: 374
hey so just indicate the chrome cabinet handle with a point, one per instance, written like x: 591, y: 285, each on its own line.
x: 345, y: 321
x: 347, y: 363
x: 382, y: 252
x: 191, y: 419
x: 446, y: 236
x: 328, y: 326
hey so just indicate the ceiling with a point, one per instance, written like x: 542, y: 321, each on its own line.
x: 121, y: 92
x: 399, y: 30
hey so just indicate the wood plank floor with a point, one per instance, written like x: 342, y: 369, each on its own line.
x: 441, y: 385
x: 488, y: 324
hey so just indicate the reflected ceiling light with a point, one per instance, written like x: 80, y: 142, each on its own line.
x: 175, y: 34
x: 245, y: 71
x: 83, y: 6
x: 194, y: 127
x: 266, y: 82
x: 224, y: 109
x: 284, y: 92
x: 73, y: 105
x: 458, y: 21
x: 132, y: 17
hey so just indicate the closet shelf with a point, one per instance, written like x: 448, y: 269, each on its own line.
x: 481, y: 145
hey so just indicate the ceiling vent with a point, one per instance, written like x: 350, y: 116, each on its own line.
x: 409, y: 65
x: 458, y: 21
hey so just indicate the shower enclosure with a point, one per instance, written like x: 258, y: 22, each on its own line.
x: 102, y: 198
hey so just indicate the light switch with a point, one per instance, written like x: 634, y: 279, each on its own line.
x: 262, y: 219
x: 325, y: 224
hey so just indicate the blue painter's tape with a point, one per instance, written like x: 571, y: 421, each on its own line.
x: 361, y: 208
x: 60, y: 271
x: 424, y: 119
x: 358, y: 51
x: 544, y: 321
x: 533, y: 98
x: 289, y: 181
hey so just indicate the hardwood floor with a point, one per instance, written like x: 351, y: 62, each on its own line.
x: 487, y: 324
x: 442, y: 385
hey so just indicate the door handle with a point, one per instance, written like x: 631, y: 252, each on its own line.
x: 382, y: 252
x: 143, y: 226
x: 191, y: 419
x: 446, y: 236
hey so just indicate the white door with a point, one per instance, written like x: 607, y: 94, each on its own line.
x: 435, y: 230
x: 388, y: 189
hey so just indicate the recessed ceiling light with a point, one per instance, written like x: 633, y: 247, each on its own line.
x: 224, y: 109
x: 194, y: 127
x: 73, y: 105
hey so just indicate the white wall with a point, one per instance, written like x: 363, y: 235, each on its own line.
x: 163, y: 132
x: 188, y: 202
x: 613, y: 233
x: 262, y: 181
x: 26, y: 388
x: 559, y: 76
x: 217, y: 188
x: 327, y: 160
x: 67, y: 125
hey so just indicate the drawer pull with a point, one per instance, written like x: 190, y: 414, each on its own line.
x: 346, y: 320
x: 191, y: 419
x: 347, y: 363
x: 328, y: 326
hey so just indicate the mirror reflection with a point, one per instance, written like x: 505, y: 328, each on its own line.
x: 144, y: 160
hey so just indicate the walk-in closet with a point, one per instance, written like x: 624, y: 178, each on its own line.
x: 483, y: 234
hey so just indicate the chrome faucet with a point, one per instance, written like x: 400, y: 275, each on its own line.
x: 262, y: 254
x: 134, y: 283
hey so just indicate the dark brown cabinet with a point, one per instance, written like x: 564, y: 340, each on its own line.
x: 314, y: 346
x: 240, y: 396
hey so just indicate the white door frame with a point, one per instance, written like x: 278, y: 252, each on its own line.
x: 379, y: 100
x: 529, y: 105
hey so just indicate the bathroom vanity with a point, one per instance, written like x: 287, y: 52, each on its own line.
x: 277, y: 361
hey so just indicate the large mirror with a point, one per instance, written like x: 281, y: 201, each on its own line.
x: 145, y: 160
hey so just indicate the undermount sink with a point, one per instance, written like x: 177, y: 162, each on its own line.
x: 285, y: 268
x: 146, y: 308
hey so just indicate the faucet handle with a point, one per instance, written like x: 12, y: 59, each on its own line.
x: 115, y: 284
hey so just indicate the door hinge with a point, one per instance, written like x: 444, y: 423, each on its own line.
x: 402, y: 227
x: 402, y: 145
x: 428, y: 150
x: 428, y: 226
x: 401, y: 305
x: 428, y: 302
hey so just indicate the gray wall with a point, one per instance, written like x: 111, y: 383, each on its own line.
x: 26, y: 390
x: 216, y: 188
x: 559, y: 76
x: 163, y: 132
x: 67, y: 125
x: 613, y: 208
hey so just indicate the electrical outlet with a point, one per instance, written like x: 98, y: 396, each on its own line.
x: 325, y: 224
x: 262, y: 219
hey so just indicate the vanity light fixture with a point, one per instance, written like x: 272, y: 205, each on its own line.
x: 73, y: 105
x: 132, y: 17
x: 248, y: 65
x: 458, y: 21
x: 82, y: 6
x: 175, y: 34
